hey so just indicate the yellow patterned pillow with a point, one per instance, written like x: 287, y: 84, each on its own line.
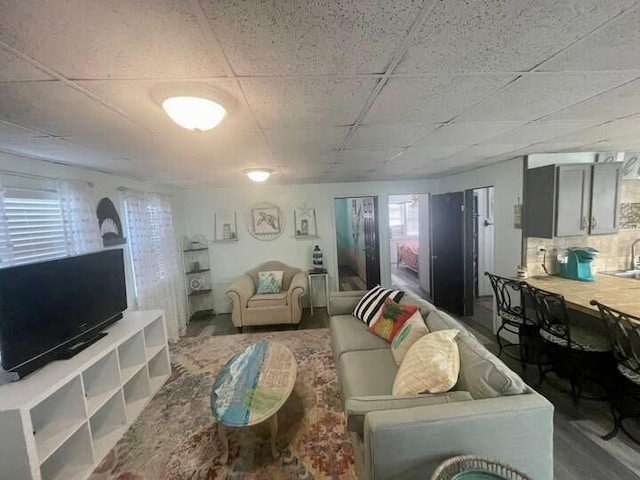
x: 431, y: 365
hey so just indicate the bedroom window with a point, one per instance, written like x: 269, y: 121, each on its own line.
x: 412, y: 217
x: 33, y: 225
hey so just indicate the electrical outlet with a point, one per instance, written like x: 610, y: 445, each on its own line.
x: 541, y: 251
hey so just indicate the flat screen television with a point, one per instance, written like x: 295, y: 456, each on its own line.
x: 54, y: 309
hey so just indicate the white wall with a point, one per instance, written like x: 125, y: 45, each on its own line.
x: 230, y: 260
x: 104, y: 186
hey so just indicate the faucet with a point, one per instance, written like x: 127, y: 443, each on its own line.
x: 635, y: 261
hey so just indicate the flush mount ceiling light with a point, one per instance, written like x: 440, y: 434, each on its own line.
x: 193, y: 106
x: 258, y: 174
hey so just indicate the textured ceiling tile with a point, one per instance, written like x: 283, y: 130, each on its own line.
x: 554, y: 147
x: 541, y: 130
x: 299, y: 102
x: 417, y: 156
x: 489, y: 150
x: 97, y: 39
x: 500, y: 36
x: 320, y: 160
x: 54, y: 108
x: 320, y: 37
x: 613, y: 47
x: 383, y: 136
x: 537, y: 95
x: 619, y: 102
x: 364, y: 157
x: 8, y: 130
x: 466, y: 133
x: 134, y: 98
x: 13, y: 69
x: 606, y: 131
x: 432, y: 98
x: 57, y: 149
x: 305, y: 139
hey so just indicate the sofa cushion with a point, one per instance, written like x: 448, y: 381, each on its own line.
x: 412, y: 331
x: 350, y: 334
x: 357, y: 407
x: 432, y: 365
x: 268, y: 300
x: 270, y: 282
x: 366, y: 372
x: 371, y: 303
x: 483, y: 374
x: 411, y: 299
x: 438, y: 320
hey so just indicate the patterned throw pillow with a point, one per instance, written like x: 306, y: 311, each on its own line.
x: 432, y: 365
x: 270, y: 282
x: 412, y: 331
x: 391, y: 318
x: 369, y: 306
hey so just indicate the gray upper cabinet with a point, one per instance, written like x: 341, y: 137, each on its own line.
x: 605, y: 198
x: 572, y: 200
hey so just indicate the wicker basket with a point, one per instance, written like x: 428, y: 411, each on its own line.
x: 467, y: 463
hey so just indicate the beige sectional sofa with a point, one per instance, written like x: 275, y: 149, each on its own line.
x: 489, y: 412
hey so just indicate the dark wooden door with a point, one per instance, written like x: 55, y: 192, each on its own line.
x: 371, y: 245
x: 450, y: 266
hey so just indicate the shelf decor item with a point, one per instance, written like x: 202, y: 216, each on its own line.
x: 304, y: 220
x: 318, y: 262
x: 265, y: 221
x: 226, y: 227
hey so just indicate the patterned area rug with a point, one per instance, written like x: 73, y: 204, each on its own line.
x: 176, y: 436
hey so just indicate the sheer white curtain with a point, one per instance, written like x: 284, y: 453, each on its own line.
x: 154, y: 255
x: 6, y: 251
x: 77, y: 208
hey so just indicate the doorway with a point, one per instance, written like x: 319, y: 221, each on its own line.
x: 483, y: 256
x: 357, y: 241
x: 409, y: 243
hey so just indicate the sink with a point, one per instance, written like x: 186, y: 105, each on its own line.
x: 632, y: 274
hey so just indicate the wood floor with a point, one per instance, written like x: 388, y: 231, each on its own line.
x: 579, y: 453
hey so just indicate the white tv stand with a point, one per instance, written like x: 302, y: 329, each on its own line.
x: 61, y: 421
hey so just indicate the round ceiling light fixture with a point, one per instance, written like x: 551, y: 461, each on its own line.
x: 258, y: 174
x: 194, y: 106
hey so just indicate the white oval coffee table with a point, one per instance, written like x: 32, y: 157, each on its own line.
x: 251, y: 388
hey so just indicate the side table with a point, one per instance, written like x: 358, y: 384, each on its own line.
x: 312, y: 275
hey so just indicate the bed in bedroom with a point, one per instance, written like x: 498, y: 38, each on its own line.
x: 408, y: 255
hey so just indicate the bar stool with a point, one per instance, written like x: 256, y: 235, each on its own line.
x: 577, y: 353
x: 624, y: 331
x: 513, y: 318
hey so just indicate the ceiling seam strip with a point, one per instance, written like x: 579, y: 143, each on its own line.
x: 207, y: 30
x: 393, y: 63
x: 70, y: 83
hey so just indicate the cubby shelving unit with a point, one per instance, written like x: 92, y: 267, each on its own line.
x: 62, y: 420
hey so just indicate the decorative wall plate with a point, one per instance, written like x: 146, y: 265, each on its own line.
x: 195, y: 284
x: 265, y: 221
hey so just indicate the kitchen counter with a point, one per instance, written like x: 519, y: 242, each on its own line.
x: 620, y: 293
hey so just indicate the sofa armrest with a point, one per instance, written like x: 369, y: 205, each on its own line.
x: 356, y: 408
x: 297, y: 288
x: 343, y: 303
x: 239, y: 292
x: 412, y: 442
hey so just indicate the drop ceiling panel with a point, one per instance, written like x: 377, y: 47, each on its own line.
x: 312, y: 160
x: 434, y: 98
x: 56, y: 109
x: 487, y: 150
x: 613, y: 47
x: 134, y: 98
x: 57, y: 149
x: 466, y: 133
x: 418, y: 156
x: 8, y: 130
x: 381, y: 136
x: 298, y: 102
x: 486, y: 36
x: 365, y: 157
x: 317, y: 139
x: 605, y: 131
x: 540, y: 131
x: 536, y: 95
x: 94, y: 39
x: 324, y: 37
x: 13, y: 68
x: 619, y: 102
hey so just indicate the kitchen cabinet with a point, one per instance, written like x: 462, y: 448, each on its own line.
x: 572, y: 200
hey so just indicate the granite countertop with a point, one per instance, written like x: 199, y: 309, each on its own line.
x: 620, y: 293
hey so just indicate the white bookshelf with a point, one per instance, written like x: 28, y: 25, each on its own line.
x: 62, y: 420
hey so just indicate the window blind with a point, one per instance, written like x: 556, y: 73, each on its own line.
x: 34, y: 224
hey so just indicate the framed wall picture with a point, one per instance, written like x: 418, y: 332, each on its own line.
x: 305, y: 222
x: 226, y: 227
x: 265, y: 221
